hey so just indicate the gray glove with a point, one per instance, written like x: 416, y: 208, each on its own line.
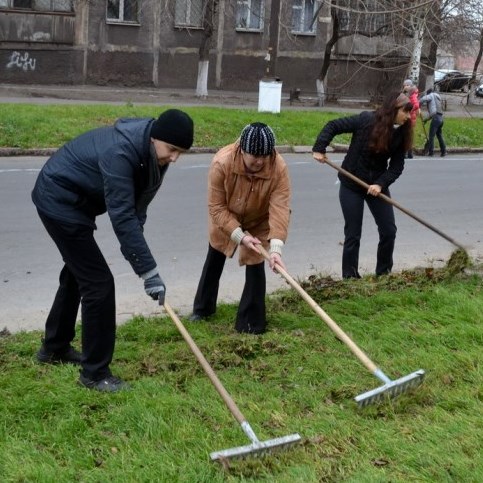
x: 155, y: 288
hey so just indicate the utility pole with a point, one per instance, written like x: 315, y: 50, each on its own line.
x: 273, y: 39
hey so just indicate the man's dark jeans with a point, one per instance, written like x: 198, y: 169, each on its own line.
x: 435, y: 129
x: 86, y: 279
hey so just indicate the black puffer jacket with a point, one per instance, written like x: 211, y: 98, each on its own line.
x: 108, y: 169
x: 373, y: 168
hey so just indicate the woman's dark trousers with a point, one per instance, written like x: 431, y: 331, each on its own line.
x: 352, y: 204
x: 251, y: 315
x: 85, y: 279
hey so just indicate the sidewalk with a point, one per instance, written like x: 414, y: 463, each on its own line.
x: 48, y: 94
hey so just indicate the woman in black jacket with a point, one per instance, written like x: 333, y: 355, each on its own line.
x: 376, y: 156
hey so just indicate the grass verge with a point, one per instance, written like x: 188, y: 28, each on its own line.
x: 41, y: 126
x: 296, y: 378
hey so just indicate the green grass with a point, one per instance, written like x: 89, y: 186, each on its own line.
x: 41, y: 126
x: 296, y: 378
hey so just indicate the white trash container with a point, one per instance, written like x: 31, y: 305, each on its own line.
x: 269, y: 95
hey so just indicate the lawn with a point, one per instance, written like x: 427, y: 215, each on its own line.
x: 50, y: 126
x: 297, y: 378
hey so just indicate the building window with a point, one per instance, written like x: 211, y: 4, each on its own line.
x: 249, y: 14
x: 39, y: 5
x: 303, y: 12
x: 125, y: 11
x: 189, y: 13
x: 366, y: 22
x: 22, y: 3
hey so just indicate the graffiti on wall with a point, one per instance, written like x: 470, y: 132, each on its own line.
x: 24, y: 62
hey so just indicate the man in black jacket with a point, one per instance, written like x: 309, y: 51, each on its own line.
x: 117, y: 169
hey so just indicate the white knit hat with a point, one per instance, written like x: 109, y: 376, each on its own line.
x: 257, y: 139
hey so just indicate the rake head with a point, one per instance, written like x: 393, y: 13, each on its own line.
x: 257, y: 448
x: 391, y: 389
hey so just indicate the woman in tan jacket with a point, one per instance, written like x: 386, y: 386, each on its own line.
x: 248, y: 191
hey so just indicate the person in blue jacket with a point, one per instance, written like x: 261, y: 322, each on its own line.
x: 376, y: 156
x: 117, y: 169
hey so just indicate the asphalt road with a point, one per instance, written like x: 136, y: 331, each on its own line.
x: 445, y: 192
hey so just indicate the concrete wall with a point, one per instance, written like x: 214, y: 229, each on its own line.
x: 85, y: 48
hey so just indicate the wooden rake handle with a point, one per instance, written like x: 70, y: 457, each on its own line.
x: 323, y: 315
x: 396, y: 204
x: 206, y: 366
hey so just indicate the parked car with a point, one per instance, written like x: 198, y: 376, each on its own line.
x: 452, y: 81
x: 440, y: 73
x: 479, y: 91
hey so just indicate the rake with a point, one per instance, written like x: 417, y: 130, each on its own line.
x: 256, y: 447
x: 389, y: 200
x: 390, y: 388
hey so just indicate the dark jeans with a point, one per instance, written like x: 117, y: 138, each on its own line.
x: 87, y: 280
x: 352, y: 204
x: 251, y: 315
x: 435, y: 129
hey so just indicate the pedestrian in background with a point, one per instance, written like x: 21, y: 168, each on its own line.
x: 248, y: 190
x: 434, y: 105
x: 376, y: 156
x: 413, y: 93
x: 117, y: 169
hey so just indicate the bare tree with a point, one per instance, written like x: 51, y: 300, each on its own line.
x: 458, y: 26
x: 351, y: 18
x: 417, y: 29
x: 209, y: 14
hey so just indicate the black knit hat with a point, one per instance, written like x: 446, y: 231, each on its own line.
x: 173, y: 127
x: 257, y: 139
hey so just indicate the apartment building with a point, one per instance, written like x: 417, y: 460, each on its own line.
x: 158, y: 43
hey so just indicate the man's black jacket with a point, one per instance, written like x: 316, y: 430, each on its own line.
x: 107, y: 169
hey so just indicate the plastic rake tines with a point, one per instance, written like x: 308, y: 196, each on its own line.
x: 390, y: 389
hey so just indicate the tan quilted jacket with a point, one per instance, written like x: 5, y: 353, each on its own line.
x: 258, y: 203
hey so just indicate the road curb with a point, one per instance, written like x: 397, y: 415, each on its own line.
x: 283, y: 149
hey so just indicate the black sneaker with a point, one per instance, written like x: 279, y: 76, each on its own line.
x: 66, y: 356
x: 108, y: 384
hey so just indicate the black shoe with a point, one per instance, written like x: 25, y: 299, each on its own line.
x: 443, y: 154
x: 197, y: 317
x: 429, y: 155
x: 67, y: 356
x: 108, y: 384
x: 410, y: 156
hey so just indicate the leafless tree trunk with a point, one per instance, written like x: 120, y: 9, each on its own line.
x: 204, y: 51
x: 334, y: 38
x: 418, y: 37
